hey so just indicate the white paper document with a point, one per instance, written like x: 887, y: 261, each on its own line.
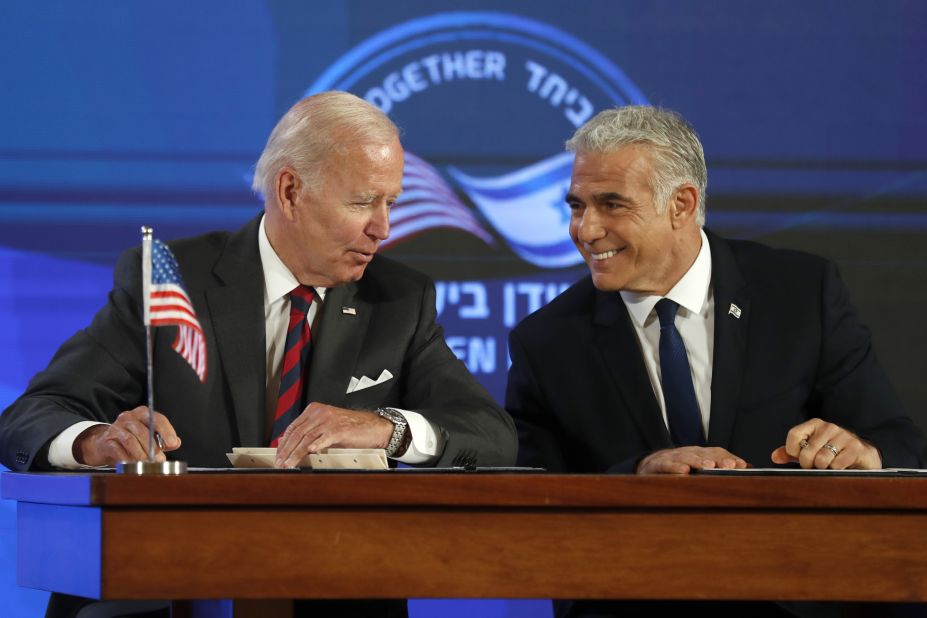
x: 331, y: 459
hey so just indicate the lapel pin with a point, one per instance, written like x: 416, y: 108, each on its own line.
x: 734, y: 311
x: 352, y: 311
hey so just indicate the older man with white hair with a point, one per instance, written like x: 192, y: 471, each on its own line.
x: 313, y: 340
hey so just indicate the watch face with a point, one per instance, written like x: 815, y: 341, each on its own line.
x: 395, y: 417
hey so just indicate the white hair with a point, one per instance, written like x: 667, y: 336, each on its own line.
x: 678, y: 157
x: 312, y: 130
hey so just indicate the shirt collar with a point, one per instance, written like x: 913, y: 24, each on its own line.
x: 691, y: 292
x: 278, y: 279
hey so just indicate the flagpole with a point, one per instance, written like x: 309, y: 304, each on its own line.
x: 150, y: 466
x: 149, y: 365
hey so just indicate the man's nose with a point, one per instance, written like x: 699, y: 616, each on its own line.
x: 590, y: 227
x: 378, y: 226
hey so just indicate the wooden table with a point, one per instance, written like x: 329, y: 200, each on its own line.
x: 414, y: 534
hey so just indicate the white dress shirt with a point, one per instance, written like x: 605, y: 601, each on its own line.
x: 695, y: 322
x: 278, y: 282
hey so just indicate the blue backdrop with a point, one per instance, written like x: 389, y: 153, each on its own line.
x: 115, y: 114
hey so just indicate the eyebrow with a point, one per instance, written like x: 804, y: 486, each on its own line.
x: 371, y: 196
x: 611, y: 196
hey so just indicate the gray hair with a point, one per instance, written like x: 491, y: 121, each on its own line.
x: 312, y: 130
x: 677, y: 152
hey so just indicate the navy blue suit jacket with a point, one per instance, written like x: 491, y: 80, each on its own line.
x: 582, y: 400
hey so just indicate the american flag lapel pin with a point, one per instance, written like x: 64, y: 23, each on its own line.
x: 349, y: 310
x: 734, y: 310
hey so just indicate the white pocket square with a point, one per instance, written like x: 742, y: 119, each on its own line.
x: 365, y: 382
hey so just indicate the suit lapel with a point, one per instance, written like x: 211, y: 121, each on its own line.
x: 730, y: 344
x: 339, y: 342
x: 619, y: 348
x: 236, y: 311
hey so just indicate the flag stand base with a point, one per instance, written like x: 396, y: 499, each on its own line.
x: 150, y: 468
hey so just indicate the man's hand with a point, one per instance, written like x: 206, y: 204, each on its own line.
x: 321, y: 426
x: 125, y: 440
x: 684, y: 459
x: 819, y: 444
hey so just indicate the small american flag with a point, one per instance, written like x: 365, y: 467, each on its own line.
x: 171, y: 306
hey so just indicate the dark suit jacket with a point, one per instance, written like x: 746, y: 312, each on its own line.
x: 582, y: 400
x: 100, y: 371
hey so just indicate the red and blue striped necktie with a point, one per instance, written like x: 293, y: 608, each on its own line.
x: 294, y: 371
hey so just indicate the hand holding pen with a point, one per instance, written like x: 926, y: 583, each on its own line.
x: 125, y: 440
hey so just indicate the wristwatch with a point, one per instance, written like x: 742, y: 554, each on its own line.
x: 397, y: 442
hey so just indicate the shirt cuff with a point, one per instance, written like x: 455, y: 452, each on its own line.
x: 61, y: 450
x: 426, y: 442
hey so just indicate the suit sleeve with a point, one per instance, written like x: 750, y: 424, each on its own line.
x: 439, y: 387
x: 544, y: 400
x: 95, y: 375
x: 853, y: 389
x: 538, y: 433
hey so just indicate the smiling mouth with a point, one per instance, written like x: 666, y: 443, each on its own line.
x: 604, y: 255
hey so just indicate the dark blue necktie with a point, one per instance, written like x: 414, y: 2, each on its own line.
x: 685, y: 421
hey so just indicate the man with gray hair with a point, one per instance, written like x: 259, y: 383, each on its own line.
x: 369, y: 369
x: 683, y: 350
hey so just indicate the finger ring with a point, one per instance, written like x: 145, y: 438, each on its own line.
x: 833, y: 449
x: 803, y: 443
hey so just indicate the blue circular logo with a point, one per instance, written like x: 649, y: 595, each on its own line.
x: 485, y: 102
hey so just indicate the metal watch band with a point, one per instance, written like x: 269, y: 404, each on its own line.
x: 400, y: 426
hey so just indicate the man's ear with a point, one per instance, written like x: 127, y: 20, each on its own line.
x: 684, y: 205
x: 287, y: 186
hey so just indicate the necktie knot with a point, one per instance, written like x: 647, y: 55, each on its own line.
x: 666, y: 311
x: 301, y: 298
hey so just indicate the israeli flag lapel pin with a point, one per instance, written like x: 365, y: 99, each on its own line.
x: 734, y: 310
